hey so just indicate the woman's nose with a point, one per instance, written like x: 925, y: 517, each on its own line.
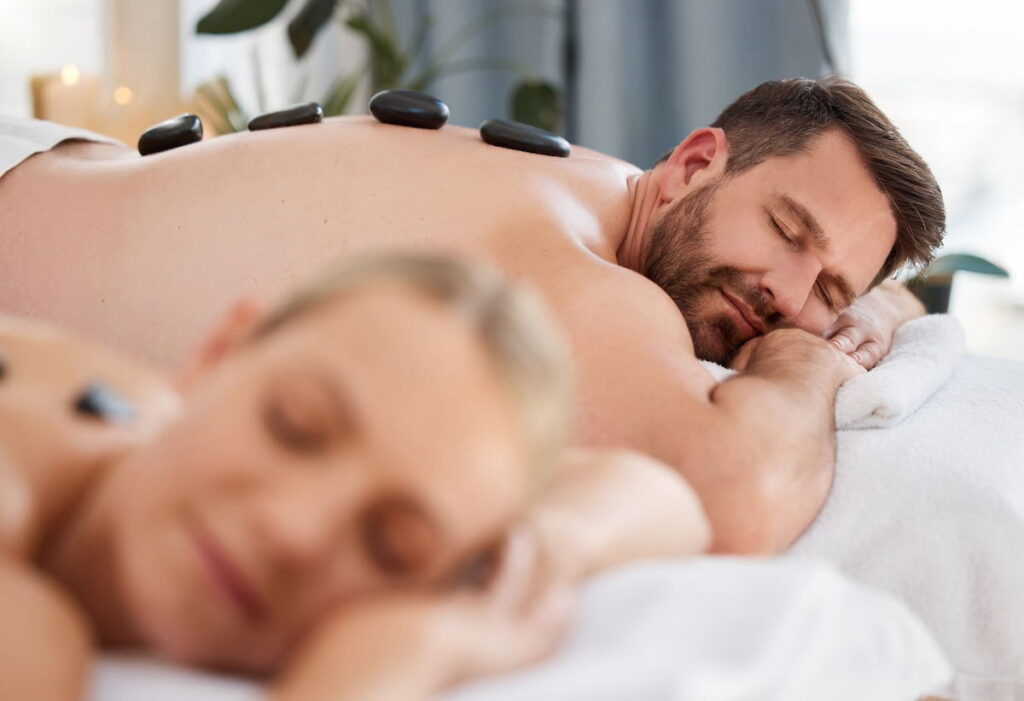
x: 300, y: 521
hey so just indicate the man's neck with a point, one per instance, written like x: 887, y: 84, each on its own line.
x: 643, y: 199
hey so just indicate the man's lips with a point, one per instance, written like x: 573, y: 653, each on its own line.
x: 228, y: 579
x: 746, y: 313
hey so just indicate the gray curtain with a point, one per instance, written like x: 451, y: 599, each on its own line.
x: 638, y: 74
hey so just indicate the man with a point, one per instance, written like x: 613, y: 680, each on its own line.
x: 760, y: 229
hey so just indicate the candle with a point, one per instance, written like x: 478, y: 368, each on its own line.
x: 67, y: 97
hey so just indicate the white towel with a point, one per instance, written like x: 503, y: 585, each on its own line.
x: 928, y: 499
x: 923, y: 355
x: 932, y: 510
x: 731, y: 629
x: 20, y: 138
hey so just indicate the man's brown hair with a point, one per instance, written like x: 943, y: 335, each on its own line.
x: 783, y: 117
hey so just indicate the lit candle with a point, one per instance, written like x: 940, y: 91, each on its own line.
x: 67, y: 97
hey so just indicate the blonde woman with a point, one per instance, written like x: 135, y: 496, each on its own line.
x: 328, y: 500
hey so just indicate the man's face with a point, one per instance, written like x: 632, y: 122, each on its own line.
x: 789, y: 242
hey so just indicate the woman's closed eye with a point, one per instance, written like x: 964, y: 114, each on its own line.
x: 295, y: 427
x: 306, y: 411
x: 399, y: 539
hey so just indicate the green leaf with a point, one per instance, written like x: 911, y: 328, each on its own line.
x: 219, y: 99
x: 341, y: 93
x: 387, y: 61
x: 231, y: 16
x: 308, y: 23
x: 949, y: 264
x: 537, y: 102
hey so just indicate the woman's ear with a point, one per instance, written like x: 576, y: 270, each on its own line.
x: 229, y: 333
x: 697, y: 160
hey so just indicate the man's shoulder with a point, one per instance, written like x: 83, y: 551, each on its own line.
x: 615, y: 302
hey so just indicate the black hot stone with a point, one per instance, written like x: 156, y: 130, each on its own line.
x: 99, y: 401
x: 409, y: 108
x: 3, y: 365
x: 309, y: 113
x: 178, y: 131
x: 523, y: 137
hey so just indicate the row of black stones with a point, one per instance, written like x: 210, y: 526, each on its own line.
x: 402, y: 107
x: 95, y: 400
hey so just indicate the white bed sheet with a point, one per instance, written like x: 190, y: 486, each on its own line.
x: 709, y: 629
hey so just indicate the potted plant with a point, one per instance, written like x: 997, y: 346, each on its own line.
x: 392, y: 62
x: 934, y: 285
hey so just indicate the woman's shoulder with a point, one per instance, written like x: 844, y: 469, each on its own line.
x: 67, y: 407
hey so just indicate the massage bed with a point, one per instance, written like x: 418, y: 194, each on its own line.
x: 907, y: 585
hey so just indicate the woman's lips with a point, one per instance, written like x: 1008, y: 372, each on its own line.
x: 228, y: 579
x: 746, y: 314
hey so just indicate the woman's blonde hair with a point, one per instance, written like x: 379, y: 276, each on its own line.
x: 516, y: 330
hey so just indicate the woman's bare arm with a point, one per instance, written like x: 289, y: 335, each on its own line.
x: 45, y: 644
x: 408, y: 646
x: 609, y: 507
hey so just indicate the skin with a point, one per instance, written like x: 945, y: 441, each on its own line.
x: 161, y: 244
x: 312, y: 500
x: 302, y: 465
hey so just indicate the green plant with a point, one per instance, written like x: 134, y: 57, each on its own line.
x: 934, y: 285
x: 392, y: 62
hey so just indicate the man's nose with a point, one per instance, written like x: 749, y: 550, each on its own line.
x: 788, y: 284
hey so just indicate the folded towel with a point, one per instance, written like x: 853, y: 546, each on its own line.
x: 923, y: 355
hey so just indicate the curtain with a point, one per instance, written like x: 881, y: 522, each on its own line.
x: 637, y: 75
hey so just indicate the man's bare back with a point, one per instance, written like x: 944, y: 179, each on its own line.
x: 148, y: 253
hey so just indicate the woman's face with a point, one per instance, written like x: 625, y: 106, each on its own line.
x: 367, y: 444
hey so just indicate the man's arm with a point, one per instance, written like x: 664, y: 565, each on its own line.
x: 758, y: 449
x: 781, y: 409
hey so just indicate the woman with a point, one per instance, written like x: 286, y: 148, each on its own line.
x: 313, y: 508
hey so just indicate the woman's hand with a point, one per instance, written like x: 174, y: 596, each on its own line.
x: 408, y: 645
x: 865, y: 329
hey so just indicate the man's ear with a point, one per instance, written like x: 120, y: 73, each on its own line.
x: 698, y: 159
x: 228, y: 333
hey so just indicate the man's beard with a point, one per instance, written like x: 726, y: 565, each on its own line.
x: 679, y: 262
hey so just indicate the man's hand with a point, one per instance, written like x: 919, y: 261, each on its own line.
x: 410, y: 645
x: 782, y: 351
x: 865, y: 329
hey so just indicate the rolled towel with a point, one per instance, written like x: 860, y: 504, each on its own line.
x: 924, y: 353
